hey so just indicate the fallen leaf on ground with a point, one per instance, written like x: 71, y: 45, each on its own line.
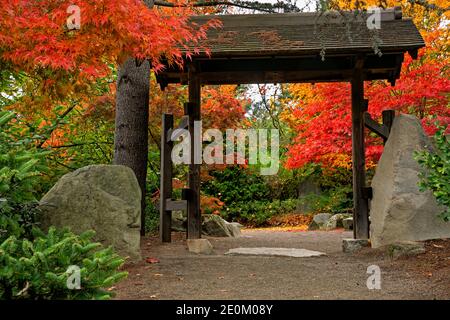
x: 152, y: 260
x: 158, y: 274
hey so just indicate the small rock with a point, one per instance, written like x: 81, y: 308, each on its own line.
x: 200, y: 246
x: 347, y: 223
x: 336, y: 221
x: 405, y: 248
x: 319, y: 220
x: 353, y: 245
x: 179, y: 221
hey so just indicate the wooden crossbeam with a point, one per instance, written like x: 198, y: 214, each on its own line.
x: 175, y: 205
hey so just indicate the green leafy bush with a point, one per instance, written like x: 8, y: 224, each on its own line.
x: 437, y: 171
x: 21, y: 163
x: 33, y: 265
x: 151, y: 217
x: 21, y: 168
x: 334, y: 200
x: 38, y: 269
x: 258, y: 212
x: 237, y: 185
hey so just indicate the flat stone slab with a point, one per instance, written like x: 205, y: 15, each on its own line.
x: 284, y: 252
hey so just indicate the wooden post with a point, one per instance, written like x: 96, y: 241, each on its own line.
x: 165, y: 192
x: 360, y: 203
x: 388, y: 119
x: 193, y: 214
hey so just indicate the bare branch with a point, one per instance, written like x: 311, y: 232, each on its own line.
x: 252, y: 5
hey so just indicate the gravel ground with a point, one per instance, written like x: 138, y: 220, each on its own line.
x: 184, y: 275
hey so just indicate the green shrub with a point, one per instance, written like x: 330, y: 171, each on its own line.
x: 21, y: 168
x: 334, y: 200
x: 258, y: 212
x: 21, y: 163
x: 33, y: 265
x: 235, y: 184
x: 18, y: 220
x: 437, y: 171
x: 151, y: 218
x: 38, y: 269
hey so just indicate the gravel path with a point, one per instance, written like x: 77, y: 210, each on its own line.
x: 183, y: 275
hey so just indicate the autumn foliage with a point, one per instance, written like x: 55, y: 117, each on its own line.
x: 323, y: 117
x: 35, y: 34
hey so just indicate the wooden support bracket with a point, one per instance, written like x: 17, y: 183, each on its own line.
x: 380, y: 129
x: 374, y: 126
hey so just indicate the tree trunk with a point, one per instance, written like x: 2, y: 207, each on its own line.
x: 132, y: 112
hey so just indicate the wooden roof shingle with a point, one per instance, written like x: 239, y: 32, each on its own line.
x: 305, y: 33
x: 298, y: 47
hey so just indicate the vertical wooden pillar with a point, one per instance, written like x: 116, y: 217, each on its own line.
x: 360, y: 203
x: 165, y: 192
x: 388, y: 119
x: 193, y: 212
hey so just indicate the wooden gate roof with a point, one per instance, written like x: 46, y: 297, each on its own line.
x: 301, y: 47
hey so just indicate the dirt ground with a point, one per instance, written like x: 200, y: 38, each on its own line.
x: 180, y: 274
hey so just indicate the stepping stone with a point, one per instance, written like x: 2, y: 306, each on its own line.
x: 200, y: 246
x: 284, y: 252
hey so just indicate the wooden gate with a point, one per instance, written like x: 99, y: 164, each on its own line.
x: 189, y: 201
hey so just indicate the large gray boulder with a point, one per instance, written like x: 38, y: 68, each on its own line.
x: 399, y: 211
x: 319, y: 221
x: 105, y: 198
x: 215, y: 226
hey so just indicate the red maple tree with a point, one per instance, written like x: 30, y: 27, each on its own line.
x: 323, y: 122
